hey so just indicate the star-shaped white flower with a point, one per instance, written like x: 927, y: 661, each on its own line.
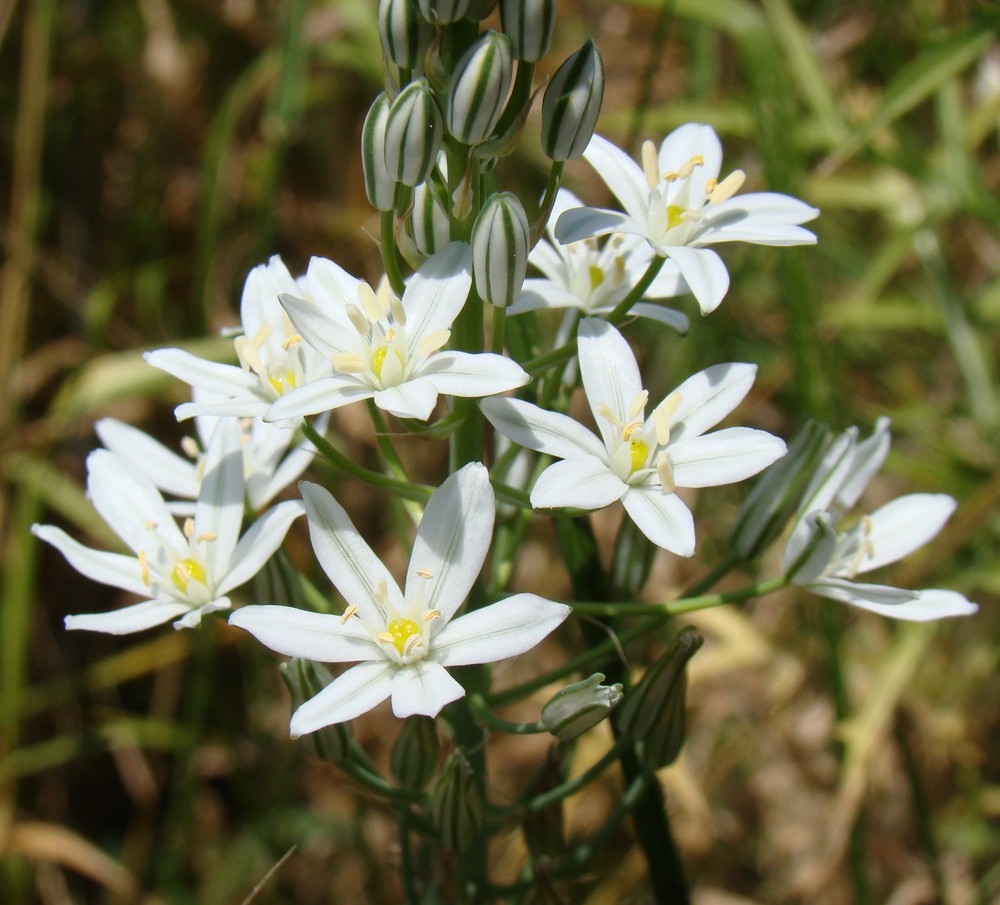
x: 182, y: 572
x: 273, y: 359
x: 403, y: 640
x: 593, y: 277
x: 676, y: 201
x: 637, y: 459
x: 391, y: 349
x: 826, y: 560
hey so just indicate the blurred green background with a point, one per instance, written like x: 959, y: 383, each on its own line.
x: 151, y: 152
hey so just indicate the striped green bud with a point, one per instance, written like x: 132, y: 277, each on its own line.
x: 414, y: 757
x: 500, y: 238
x: 580, y: 706
x: 306, y: 679
x: 429, y: 225
x: 413, y: 133
x: 444, y: 11
x: 571, y: 103
x: 654, y: 711
x: 529, y: 25
x: 456, y: 805
x: 479, y: 87
x: 380, y: 187
x: 404, y: 33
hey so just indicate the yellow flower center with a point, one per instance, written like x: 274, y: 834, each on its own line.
x: 639, y: 451
x: 675, y: 215
x: 401, y: 630
x: 281, y: 384
x: 187, y: 569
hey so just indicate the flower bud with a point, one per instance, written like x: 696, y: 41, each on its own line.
x: 380, y: 187
x: 413, y: 134
x: 429, y: 225
x: 305, y: 679
x: 654, y: 712
x: 571, y: 104
x: 529, y: 25
x: 444, y: 11
x: 404, y: 33
x: 500, y: 238
x: 576, y: 708
x: 456, y: 804
x: 480, y: 9
x: 478, y: 88
x: 414, y: 757
x: 776, y: 495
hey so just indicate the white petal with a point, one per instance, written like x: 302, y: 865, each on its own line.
x: 662, y: 517
x: 929, y: 605
x: 708, y: 396
x: 330, y: 286
x: 355, y: 692
x: 219, y: 510
x: 668, y: 282
x: 245, y: 406
x: 584, y: 222
x: 452, y: 541
x: 620, y: 173
x: 413, y: 399
x: 865, y: 462
x: 108, y: 568
x: 704, y: 273
x: 692, y: 140
x: 538, y: 294
x: 312, y: 636
x: 900, y: 527
x: 192, y: 618
x: 549, y: 259
x: 723, y: 457
x: 258, y: 545
x: 135, y: 618
x: 437, y: 291
x: 259, y: 302
x: 859, y: 594
x: 610, y: 374
x: 321, y: 395
x: 227, y: 380
x: 776, y: 235
x: 583, y: 482
x: 423, y: 688
x: 764, y: 209
x: 470, y: 375
x: 503, y: 629
x: 290, y: 468
x: 348, y: 561
x: 164, y: 468
x: 539, y: 429
x: 676, y: 320
x: 326, y: 335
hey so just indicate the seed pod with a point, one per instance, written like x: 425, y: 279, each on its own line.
x: 576, y: 708
x: 529, y: 25
x: 456, y: 804
x: 571, y: 103
x: 429, y: 226
x: 444, y: 11
x: 404, y: 33
x: 306, y: 679
x: 380, y: 187
x: 500, y: 238
x: 415, y: 755
x: 478, y: 88
x: 413, y: 133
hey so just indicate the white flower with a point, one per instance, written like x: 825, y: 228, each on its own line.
x: 182, y: 572
x: 402, y: 640
x: 639, y: 460
x: 676, y: 202
x: 273, y: 359
x: 389, y: 349
x: 594, y: 277
x: 826, y: 561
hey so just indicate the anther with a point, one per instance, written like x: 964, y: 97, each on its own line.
x: 348, y: 363
x: 294, y: 338
x: 357, y: 318
x: 638, y: 404
x: 150, y: 525
x: 350, y: 611
x: 206, y: 538
x: 411, y: 644
x: 649, y: 162
x: 665, y: 472
x: 430, y: 615
x: 727, y: 188
x: 425, y: 573
x: 189, y: 528
x: 190, y: 448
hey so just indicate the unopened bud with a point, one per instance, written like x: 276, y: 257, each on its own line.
x: 413, y: 133
x: 306, y: 679
x: 380, y: 187
x: 478, y: 88
x: 810, y: 548
x: 415, y: 755
x: 456, y: 804
x: 500, y: 238
x: 444, y: 11
x: 404, y: 33
x: 529, y: 25
x: 777, y: 493
x: 576, y: 708
x: 571, y: 104
x: 654, y: 713
x: 429, y: 226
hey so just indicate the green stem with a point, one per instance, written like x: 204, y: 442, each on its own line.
x: 406, y: 866
x: 548, y: 199
x: 392, y: 460
x: 390, y: 257
x: 499, y: 329
x: 486, y: 717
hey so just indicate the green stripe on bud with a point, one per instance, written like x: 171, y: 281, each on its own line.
x: 429, y: 225
x: 578, y: 707
x: 415, y: 755
x: 413, y: 134
x: 306, y: 679
x: 456, y: 806
x: 404, y: 33
x: 380, y: 187
x: 500, y: 238
x: 479, y: 87
x: 444, y: 11
x: 529, y: 25
x: 571, y: 104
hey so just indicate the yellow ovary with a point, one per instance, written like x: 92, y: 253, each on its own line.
x: 399, y: 632
x: 639, y: 451
x: 378, y: 359
x: 187, y: 569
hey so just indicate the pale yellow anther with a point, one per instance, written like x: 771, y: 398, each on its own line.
x: 150, y: 525
x: 411, y: 644
x: 628, y: 430
x: 710, y: 185
x: 608, y: 415
x: 727, y: 188
x: 596, y: 276
x: 665, y: 472
x: 649, y: 164
x: 350, y: 611
x: 207, y: 537
x: 662, y: 415
x: 424, y: 573
x: 385, y: 638
x: 390, y: 335
x: 433, y: 341
x: 249, y: 356
x: 430, y: 615
x: 671, y: 176
x: 619, y: 277
x: 398, y: 314
x: 190, y: 448
x: 638, y: 404
x: 291, y: 341
x: 240, y: 344
x: 357, y: 318
x: 372, y: 306
x: 189, y: 528
x: 144, y: 568
x: 591, y: 244
x: 617, y: 240
x: 688, y: 168
x: 348, y: 363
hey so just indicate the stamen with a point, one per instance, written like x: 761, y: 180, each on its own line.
x: 144, y: 568
x: 189, y: 528
x: 411, y: 644
x: 370, y: 303
x: 350, y: 611
x: 665, y: 472
x: 649, y: 164
x: 291, y: 341
x: 348, y: 363
x: 190, y: 447
x: 727, y: 188
x: 398, y: 314
x: 430, y: 615
x: 357, y: 319
x: 433, y: 341
x: 150, y: 525
x: 662, y: 415
x: 425, y: 573
x: 206, y: 538
x: 638, y: 404
x: 688, y: 168
x: 608, y: 415
x: 629, y: 429
x: 390, y: 335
